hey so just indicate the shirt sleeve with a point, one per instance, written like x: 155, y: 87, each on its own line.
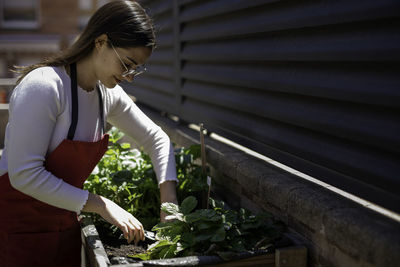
x: 34, y: 107
x: 126, y: 116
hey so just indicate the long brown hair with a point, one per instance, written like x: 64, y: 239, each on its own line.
x: 124, y: 22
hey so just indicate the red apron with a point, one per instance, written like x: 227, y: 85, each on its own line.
x: 33, y: 233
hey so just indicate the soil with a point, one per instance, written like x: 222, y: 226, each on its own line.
x: 122, y: 250
x: 118, y: 249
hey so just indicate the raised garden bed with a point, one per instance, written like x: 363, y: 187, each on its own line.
x: 216, y: 236
x: 285, y: 254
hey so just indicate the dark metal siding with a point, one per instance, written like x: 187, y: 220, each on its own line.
x: 312, y: 84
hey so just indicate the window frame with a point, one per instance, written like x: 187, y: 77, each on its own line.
x: 21, y: 24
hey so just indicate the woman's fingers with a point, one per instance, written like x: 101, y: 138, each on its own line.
x: 133, y: 230
x: 125, y: 231
x: 138, y: 227
x: 142, y: 232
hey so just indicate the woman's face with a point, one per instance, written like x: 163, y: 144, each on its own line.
x: 110, y: 61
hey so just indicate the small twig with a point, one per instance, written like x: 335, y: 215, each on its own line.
x: 204, y: 162
x: 203, y: 149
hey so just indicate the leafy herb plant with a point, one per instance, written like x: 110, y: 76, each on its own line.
x: 216, y: 231
x: 126, y: 176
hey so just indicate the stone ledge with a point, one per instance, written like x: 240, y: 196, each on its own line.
x: 336, y: 230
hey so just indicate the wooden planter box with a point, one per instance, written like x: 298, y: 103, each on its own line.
x: 292, y: 256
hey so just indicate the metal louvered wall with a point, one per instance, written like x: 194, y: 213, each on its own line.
x: 312, y: 84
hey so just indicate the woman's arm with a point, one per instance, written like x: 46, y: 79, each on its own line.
x: 167, y: 194
x: 35, y: 106
x: 125, y: 115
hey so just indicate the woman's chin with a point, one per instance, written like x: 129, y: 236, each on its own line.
x: 111, y: 84
x: 116, y: 81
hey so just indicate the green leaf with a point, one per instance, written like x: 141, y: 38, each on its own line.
x: 110, y: 152
x: 203, y: 236
x: 169, y: 230
x: 169, y: 208
x: 142, y: 256
x: 168, y: 252
x: 205, y: 225
x: 195, y: 150
x: 188, y: 204
x: 219, y: 235
x: 192, y: 217
x: 187, y: 239
x: 204, y: 214
x: 125, y: 145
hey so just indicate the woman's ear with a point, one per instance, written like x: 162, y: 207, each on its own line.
x: 100, y: 41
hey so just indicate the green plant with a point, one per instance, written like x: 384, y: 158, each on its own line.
x: 216, y: 231
x: 126, y: 176
x: 192, y: 180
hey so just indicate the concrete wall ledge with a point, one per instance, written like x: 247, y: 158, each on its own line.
x: 337, y: 231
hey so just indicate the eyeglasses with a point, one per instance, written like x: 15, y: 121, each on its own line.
x: 133, y: 71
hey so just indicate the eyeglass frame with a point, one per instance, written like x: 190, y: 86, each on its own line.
x: 127, y: 72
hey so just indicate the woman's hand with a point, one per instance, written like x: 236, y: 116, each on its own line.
x: 114, y: 214
x: 167, y: 194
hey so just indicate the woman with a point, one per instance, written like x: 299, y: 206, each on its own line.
x: 55, y: 137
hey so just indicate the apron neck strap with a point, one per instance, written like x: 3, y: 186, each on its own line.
x: 103, y: 125
x: 74, y: 97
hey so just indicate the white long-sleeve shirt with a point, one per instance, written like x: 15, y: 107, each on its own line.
x: 39, y: 120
